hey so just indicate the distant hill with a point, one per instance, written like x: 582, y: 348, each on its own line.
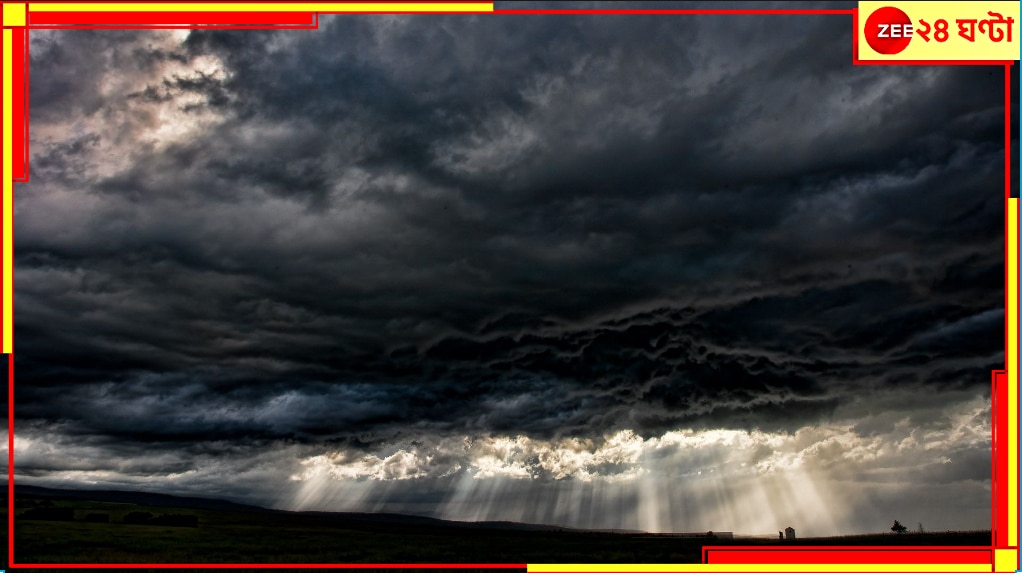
x: 230, y: 532
x: 167, y: 500
x: 136, y: 497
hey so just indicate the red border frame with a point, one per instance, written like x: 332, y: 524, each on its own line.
x: 122, y: 20
x: 866, y: 555
x: 729, y: 554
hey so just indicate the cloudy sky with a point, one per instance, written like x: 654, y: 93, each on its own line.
x: 649, y: 272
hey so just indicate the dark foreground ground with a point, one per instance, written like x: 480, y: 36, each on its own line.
x: 232, y: 536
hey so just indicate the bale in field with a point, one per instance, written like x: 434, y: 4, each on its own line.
x: 175, y: 520
x: 138, y: 517
x: 98, y: 518
x: 50, y: 513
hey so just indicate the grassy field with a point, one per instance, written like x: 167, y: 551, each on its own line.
x: 254, y: 537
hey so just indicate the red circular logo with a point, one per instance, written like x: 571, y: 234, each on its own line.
x: 888, y: 30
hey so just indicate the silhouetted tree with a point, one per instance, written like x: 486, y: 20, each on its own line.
x: 898, y: 527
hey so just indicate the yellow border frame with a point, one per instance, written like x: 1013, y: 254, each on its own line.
x: 8, y: 189
x: 1012, y: 365
x: 768, y: 567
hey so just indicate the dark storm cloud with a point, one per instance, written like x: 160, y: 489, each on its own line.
x: 443, y: 225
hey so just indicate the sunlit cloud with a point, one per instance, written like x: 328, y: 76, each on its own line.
x: 754, y: 481
x: 685, y: 454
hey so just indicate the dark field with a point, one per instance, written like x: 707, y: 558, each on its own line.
x: 225, y: 536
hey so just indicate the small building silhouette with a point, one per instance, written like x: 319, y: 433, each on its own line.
x: 789, y: 533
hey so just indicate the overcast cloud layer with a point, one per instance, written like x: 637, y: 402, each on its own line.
x: 652, y: 272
